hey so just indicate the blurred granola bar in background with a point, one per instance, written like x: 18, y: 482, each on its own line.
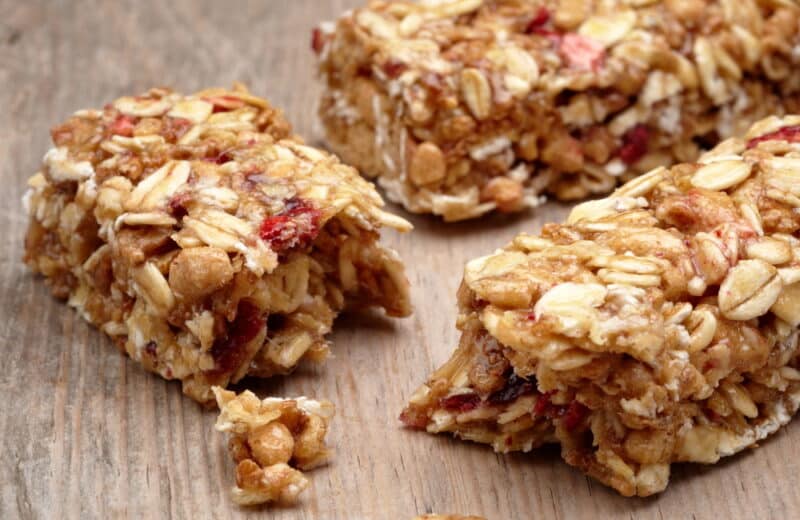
x: 461, y: 107
x: 658, y: 325
x: 271, y: 441
x: 203, y: 238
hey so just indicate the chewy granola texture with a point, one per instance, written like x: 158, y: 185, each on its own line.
x: 271, y: 441
x: 462, y: 107
x: 658, y: 325
x: 203, y: 238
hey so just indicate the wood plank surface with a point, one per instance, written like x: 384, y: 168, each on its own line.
x: 85, y: 433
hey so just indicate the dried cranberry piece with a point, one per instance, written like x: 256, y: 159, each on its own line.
x: 228, y: 350
x: 787, y: 133
x: 515, y: 387
x: 460, y: 402
x: 296, y: 226
x: 221, y: 158
x: 543, y: 405
x: 151, y: 348
x: 393, y: 68
x: 634, y: 144
x: 574, y: 415
x: 123, y: 125
x: 541, y: 18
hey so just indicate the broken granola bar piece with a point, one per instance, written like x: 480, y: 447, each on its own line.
x: 203, y: 238
x: 658, y: 325
x: 462, y: 107
x: 271, y: 441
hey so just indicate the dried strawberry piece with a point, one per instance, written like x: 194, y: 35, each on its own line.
x: 540, y: 19
x: 228, y: 351
x: 634, y: 144
x: 460, y: 402
x: 787, y: 133
x: 582, y: 52
x: 224, y: 103
x: 296, y: 226
x: 515, y: 387
x: 123, y: 125
x: 317, y: 40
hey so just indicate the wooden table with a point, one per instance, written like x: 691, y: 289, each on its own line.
x: 86, y: 433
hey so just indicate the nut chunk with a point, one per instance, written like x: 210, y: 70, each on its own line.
x: 462, y: 107
x: 204, y: 239
x: 658, y: 325
x: 271, y: 440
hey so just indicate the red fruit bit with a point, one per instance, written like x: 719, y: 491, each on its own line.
x: 151, y: 348
x: 394, y: 68
x: 574, y: 416
x: 123, y: 125
x: 711, y: 364
x: 543, y: 404
x: 634, y: 144
x: 221, y: 158
x: 531, y: 316
x: 296, y: 226
x: 541, y: 18
x: 225, y: 103
x: 460, y: 402
x: 228, y: 350
x: 788, y: 133
x: 317, y: 40
x: 582, y: 53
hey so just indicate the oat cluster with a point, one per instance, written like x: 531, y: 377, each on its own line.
x: 462, y: 107
x: 203, y: 238
x: 658, y: 325
x: 271, y: 441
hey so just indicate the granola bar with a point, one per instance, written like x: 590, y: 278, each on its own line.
x: 658, y: 325
x: 271, y: 441
x: 462, y: 107
x: 203, y: 238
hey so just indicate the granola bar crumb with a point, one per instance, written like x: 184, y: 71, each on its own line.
x: 272, y: 442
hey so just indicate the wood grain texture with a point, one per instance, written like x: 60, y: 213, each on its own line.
x: 84, y: 433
